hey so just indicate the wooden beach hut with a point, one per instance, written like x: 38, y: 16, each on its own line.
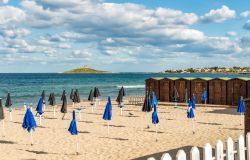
x: 248, y: 88
x: 217, y: 91
x: 183, y: 85
x: 236, y: 88
x: 152, y: 84
x: 197, y: 86
x: 166, y: 89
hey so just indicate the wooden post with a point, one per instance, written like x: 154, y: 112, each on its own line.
x: 247, y: 115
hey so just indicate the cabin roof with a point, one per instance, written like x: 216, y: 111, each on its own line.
x: 203, y: 78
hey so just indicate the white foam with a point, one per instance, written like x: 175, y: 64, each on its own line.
x: 132, y: 86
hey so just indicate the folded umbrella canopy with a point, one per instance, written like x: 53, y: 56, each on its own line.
x: 91, y: 99
x: 155, y: 119
x: 119, y: 99
x: 73, y: 129
x: 29, y: 123
x: 1, y: 110
x: 64, y: 105
x: 44, y: 101
x: 241, y: 109
x: 2, y: 114
x: 76, y: 97
x: 43, y: 95
x: 39, y: 109
x: 193, y: 99
x: 204, y: 96
x: 97, y: 92
x: 52, y: 102
x: 153, y: 100
x: 63, y: 95
x: 8, y: 104
x: 91, y: 95
x: 71, y: 94
x: 186, y: 96
x: 107, y: 115
x: 123, y: 91
x: 146, y: 105
x: 191, y: 115
x: 175, y: 97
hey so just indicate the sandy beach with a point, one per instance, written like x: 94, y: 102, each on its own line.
x: 129, y: 138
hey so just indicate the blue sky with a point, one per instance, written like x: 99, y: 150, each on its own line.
x: 123, y: 36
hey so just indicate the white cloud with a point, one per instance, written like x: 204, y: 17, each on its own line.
x: 4, y: 1
x: 64, y: 46
x: 231, y: 34
x: 245, y: 14
x: 219, y: 15
x: 9, y: 14
x: 14, y: 32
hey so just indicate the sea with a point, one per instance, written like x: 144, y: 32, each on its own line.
x: 27, y: 87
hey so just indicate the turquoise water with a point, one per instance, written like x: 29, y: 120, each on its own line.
x: 27, y: 88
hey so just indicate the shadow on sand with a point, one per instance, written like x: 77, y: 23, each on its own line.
x: 85, y: 132
x: 118, y: 139
x: 118, y: 126
x: 172, y: 153
x: 231, y: 111
x: 214, y: 124
x: 6, y: 142
x: 87, y: 121
x: 39, y: 152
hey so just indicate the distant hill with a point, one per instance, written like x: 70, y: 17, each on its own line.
x: 85, y: 69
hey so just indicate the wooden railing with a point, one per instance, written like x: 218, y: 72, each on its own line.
x: 241, y: 152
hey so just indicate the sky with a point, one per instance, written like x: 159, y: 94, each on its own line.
x: 41, y: 36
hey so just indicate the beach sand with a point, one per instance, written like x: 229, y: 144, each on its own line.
x: 129, y: 138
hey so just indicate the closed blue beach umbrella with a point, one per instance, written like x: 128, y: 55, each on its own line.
x: 193, y: 99
x: 155, y: 119
x: 191, y: 115
x: 153, y: 100
x: 190, y: 103
x: 29, y: 123
x: 73, y: 129
x: 107, y: 116
x: 241, y: 109
x: 39, y: 109
x: 204, y: 96
x: 108, y: 110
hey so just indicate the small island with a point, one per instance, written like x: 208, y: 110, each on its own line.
x: 85, y: 69
x: 211, y: 70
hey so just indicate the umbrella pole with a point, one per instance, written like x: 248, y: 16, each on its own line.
x: 77, y: 145
x: 3, y: 128
x: 54, y: 109
x: 92, y: 107
x: 193, y: 125
x: 241, y: 118
x: 73, y: 104
x: 156, y: 132
x: 108, y: 128
x: 31, y: 138
x: 121, y: 111
x: 80, y: 115
x: 10, y: 116
x: 40, y: 119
